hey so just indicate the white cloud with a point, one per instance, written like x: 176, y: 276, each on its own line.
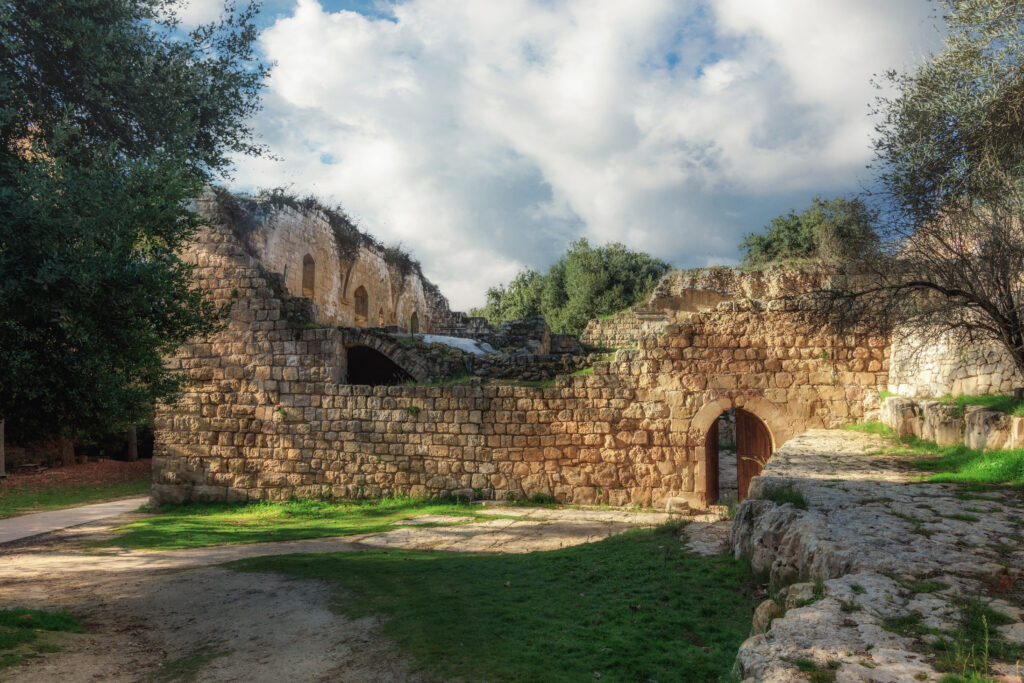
x: 486, y: 136
x: 195, y: 12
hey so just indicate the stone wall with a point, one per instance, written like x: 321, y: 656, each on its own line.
x: 949, y: 425
x: 625, y: 329
x: 933, y: 365
x: 267, y: 417
x: 699, y: 289
x: 293, y: 242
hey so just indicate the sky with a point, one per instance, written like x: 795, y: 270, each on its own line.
x: 485, y: 136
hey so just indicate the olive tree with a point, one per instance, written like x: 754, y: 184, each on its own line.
x: 112, y: 118
x: 950, y: 156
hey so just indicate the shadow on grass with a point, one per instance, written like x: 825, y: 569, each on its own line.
x: 633, y: 607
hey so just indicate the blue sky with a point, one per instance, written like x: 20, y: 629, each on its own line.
x: 485, y: 135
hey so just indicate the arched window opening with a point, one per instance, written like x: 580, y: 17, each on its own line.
x: 380, y: 318
x: 362, y: 306
x: 371, y: 367
x: 308, y: 276
x: 737, y: 446
x: 414, y: 324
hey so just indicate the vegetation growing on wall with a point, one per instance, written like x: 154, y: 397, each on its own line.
x: 243, y: 213
x: 588, y: 282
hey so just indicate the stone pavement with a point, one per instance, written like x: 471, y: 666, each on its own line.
x: 887, y: 546
x: 25, y: 526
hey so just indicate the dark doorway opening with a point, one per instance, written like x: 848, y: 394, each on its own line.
x: 737, y: 446
x: 369, y: 366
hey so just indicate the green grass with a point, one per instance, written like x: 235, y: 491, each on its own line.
x: 882, y: 395
x: 17, y: 501
x: 1006, y: 404
x: 634, y: 607
x: 871, y: 427
x: 21, y: 633
x: 956, y: 463
x: 187, y: 667
x: 785, y: 494
x: 965, y: 651
x: 968, y: 465
x: 192, y: 525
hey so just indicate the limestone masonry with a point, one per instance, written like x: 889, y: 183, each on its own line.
x: 271, y: 413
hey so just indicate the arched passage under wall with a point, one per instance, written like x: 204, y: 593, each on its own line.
x: 414, y: 324
x: 760, y: 427
x: 367, y: 365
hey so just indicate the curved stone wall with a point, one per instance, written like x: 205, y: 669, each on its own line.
x: 303, y: 248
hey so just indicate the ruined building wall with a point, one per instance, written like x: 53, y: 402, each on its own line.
x: 933, y: 365
x: 624, y: 329
x: 301, y: 243
x: 266, y: 416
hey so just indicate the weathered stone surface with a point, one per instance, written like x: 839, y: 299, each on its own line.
x: 870, y: 529
x: 763, y: 616
x: 707, y: 538
x: 975, y: 427
x: 926, y: 365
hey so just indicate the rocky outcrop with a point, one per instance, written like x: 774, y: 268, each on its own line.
x: 948, y: 425
x: 874, y: 547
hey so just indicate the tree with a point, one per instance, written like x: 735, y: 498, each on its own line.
x: 828, y: 230
x: 112, y: 119
x: 585, y: 283
x: 950, y: 151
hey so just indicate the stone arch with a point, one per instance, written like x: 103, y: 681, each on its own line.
x: 362, y: 306
x: 407, y: 359
x: 368, y: 366
x: 414, y: 323
x: 308, y: 276
x: 767, y: 413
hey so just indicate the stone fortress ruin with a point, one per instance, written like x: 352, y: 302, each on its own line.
x: 306, y: 394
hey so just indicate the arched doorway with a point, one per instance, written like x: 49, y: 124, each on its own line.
x: 369, y: 366
x: 729, y: 470
x: 362, y: 310
x: 380, y: 318
x: 414, y: 324
x: 308, y: 276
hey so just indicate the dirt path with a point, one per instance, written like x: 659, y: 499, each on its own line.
x: 172, y: 608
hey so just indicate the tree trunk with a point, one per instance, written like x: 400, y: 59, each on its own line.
x: 67, y: 452
x: 3, y: 464
x: 133, y: 445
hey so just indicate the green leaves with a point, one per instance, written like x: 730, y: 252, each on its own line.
x: 110, y: 124
x: 832, y: 229
x: 952, y: 134
x: 585, y: 283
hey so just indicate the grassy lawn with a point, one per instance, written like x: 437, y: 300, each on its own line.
x: 635, y: 607
x: 1006, y: 404
x: 16, y: 501
x: 23, y: 633
x: 956, y: 463
x: 193, y: 525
